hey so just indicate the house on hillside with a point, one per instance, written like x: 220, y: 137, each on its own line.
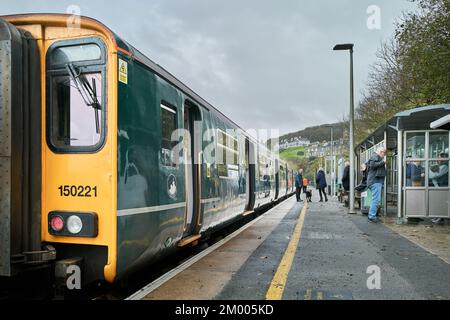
x: 325, y: 148
x: 294, y: 142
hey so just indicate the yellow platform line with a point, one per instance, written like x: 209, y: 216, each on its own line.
x: 278, y: 283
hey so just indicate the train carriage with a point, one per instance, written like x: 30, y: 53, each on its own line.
x: 108, y: 158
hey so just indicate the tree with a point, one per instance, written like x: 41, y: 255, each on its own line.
x: 412, y: 68
x: 424, y: 52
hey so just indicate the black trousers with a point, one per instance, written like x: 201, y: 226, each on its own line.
x: 322, y: 190
x: 298, y: 190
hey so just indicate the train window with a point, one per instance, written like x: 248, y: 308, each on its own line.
x: 73, y: 122
x: 168, y: 126
x: 234, y: 149
x: 76, y: 100
x: 75, y: 53
x: 221, y: 154
x: 228, y: 154
x: 221, y: 138
x: 263, y: 166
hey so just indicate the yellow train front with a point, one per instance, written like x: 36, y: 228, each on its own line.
x: 91, y: 173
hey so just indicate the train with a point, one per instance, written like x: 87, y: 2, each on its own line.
x: 90, y: 172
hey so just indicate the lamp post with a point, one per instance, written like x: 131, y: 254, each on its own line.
x: 332, y: 165
x: 349, y: 46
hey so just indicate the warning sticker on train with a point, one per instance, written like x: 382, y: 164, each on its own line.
x: 123, y: 71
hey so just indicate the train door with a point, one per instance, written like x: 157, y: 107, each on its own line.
x: 250, y: 174
x: 193, y: 168
x: 277, y: 178
x: 286, y: 172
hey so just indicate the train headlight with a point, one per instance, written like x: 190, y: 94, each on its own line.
x: 74, y: 224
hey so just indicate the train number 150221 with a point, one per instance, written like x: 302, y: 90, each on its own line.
x: 78, y: 191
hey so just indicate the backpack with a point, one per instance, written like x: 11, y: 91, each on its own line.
x: 363, y: 184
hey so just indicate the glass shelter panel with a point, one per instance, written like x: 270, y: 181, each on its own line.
x: 415, y: 173
x: 438, y: 173
x: 438, y: 147
x: 415, y: 145
x: 426, y: 161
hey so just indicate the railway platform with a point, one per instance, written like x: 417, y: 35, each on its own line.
x: 313, y: 251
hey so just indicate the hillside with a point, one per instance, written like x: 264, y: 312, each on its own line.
x: 296, y: 159
x: 296, y: 156
x: 317, y: 133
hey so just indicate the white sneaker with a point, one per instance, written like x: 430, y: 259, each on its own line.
x: 437, y: 220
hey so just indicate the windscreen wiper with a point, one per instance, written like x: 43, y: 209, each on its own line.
x: 87, y: 91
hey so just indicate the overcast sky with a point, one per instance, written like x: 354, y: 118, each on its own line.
x: 264, y: 64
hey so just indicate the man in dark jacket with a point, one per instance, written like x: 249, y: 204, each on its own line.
x: 375, y: 180
x: 346, y: 177
x: 321, y: 184
x: 298, y: 184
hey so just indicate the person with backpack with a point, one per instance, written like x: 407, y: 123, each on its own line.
x: 305, y: 184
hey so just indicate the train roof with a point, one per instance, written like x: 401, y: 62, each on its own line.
x: 121, y: 46
x: 166, y: 75
x: 59, y: 19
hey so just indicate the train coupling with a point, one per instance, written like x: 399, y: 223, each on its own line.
x: 34, y: 258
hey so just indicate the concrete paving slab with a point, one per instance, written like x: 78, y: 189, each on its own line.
x: 206, y: 278
x: 335, y: 258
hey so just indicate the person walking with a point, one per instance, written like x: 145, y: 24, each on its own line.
x: 375, y: 180
x: 298, y: 185
x: 321, y: 184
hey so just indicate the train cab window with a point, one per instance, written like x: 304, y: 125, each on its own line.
x: 168, y: 126
x: 77, y: 53
x: 76, y: 72
x: 74, y: 121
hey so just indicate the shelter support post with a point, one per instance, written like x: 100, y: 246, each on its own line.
x: 385, y: 178
x: 399, y: 176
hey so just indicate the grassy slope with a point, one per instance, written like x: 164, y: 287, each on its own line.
x: 291, y: 153
x: 296, y: 162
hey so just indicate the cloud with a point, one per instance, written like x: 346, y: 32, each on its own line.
x: 265, y: 64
